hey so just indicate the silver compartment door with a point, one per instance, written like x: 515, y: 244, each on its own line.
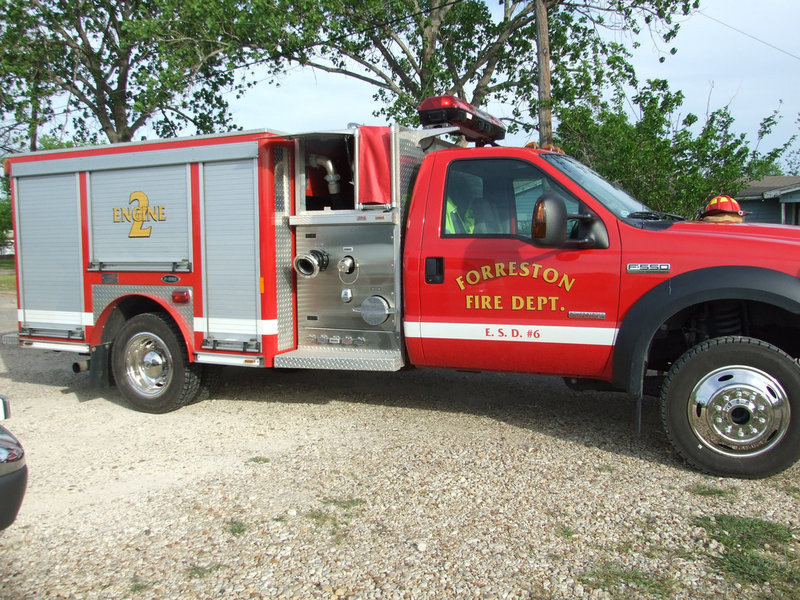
x: 230, y: 230
x: 160, y: 195
x: 50, y: 257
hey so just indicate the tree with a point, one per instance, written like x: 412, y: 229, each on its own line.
x: 412, y: 49
x: 23, y: 93
x: 117, y: 65
x: 792, y: 159
x: 543, y: 63
x: 672, y: 164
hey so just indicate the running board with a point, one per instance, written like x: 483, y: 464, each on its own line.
x: 341, y: 359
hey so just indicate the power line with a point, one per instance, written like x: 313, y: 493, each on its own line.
x: 744, y: 33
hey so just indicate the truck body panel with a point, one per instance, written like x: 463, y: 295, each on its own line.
x: 143, y: 223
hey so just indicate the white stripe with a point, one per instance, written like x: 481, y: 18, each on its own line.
x: 238, y: 326
x: 412, y: 329
x: 268, y: 327
x: 509, y: 332
x: 55, y: 317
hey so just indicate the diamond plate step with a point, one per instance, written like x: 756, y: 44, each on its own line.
x: 342, y: 359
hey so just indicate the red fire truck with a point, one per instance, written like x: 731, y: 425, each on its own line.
x: 377, y: 248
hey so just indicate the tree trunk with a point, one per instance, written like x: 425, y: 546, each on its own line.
x: 543, y: 57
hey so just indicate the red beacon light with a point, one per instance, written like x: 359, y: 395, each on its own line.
x: 476, y: 126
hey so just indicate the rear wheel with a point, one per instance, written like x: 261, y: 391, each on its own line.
x: 731, y: 407
x: 151, y: 366
x: 210, y: 380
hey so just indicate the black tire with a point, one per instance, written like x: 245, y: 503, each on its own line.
x: 210, y: 380
x: 151, y: 366
x: 731, y: 407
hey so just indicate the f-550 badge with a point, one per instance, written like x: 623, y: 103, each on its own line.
x: 648, y: 268
x: 139, y: 214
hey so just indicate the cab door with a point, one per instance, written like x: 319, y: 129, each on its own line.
x: 488, y: 297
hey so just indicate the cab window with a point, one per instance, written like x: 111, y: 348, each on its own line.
x: 495, y: 197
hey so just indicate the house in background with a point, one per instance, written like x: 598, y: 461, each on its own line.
x: 7, y: 249
x: 773, y: 199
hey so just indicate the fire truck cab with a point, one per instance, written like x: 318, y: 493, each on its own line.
x: 377, y: 248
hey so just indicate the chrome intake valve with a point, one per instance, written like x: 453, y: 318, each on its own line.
x: 311, y: 264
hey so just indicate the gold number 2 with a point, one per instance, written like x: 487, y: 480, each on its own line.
x: 139, y: 215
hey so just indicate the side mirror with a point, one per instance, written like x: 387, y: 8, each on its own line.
x: 549, y: 223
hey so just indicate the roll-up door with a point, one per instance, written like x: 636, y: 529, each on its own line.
x: 230, y: 230
x: 140, y: 218
x: 49, y: 243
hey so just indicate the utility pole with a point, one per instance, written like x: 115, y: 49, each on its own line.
x: 543, y: 57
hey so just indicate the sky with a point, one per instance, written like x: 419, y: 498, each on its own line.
x: 741, y: 53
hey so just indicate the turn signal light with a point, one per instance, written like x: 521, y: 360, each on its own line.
x: 181, y: 296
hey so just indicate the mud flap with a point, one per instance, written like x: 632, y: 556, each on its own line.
x: 100, y: 366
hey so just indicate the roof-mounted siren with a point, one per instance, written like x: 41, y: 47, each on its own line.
x: 476, y: 125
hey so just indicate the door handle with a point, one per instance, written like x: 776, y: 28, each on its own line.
x: 434, y: 269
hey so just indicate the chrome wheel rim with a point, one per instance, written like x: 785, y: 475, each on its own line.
x: 148, y: 364
x: 738, y: 411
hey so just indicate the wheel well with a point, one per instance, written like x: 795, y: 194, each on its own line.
x: 699, y: 322
x: 127, y: 308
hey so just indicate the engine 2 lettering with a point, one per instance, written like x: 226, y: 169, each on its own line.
x: 139, y: 214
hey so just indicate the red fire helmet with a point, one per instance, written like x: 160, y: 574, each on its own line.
x: 722, y: 204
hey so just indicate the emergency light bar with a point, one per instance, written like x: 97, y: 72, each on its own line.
x: 476, y: 125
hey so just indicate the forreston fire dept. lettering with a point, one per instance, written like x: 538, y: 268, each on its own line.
x: 515, y: 269
x: 139, y: 214
x: 484, y: 302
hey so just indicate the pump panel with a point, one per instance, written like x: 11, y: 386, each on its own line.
x: 349, y: 297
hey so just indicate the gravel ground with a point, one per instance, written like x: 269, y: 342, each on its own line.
x: 420, y: 484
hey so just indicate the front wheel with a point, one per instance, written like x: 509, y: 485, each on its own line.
x: 151, y: 366
x: 731, y: 407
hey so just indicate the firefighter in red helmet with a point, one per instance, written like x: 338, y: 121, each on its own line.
x: 722, y: 209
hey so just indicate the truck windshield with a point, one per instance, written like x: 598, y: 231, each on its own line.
x: 613, y: 198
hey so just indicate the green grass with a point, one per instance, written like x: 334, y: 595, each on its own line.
x: 338, y: 517
x: 8, y: 281
x: 137, y: 585
x: 324, y: 517
x: 756, y: 551
x: 236, y: 527
x: 791, y: 489
x: 622, y: 582
x: 259, y: 460
x: 703, y: 489
x: 346, y: 505
x: 200, y: 572
x: 745, y: 533
x: 566, y: 532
